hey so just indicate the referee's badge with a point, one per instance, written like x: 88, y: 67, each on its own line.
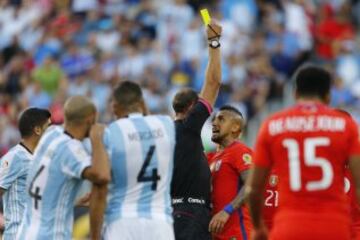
x: 247, y: 159
x: 273, y: 180
x: 218, y: 165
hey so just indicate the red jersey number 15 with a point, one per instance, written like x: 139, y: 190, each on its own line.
x: 310, y: 160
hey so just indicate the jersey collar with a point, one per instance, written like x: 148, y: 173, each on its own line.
x: 26, y: 148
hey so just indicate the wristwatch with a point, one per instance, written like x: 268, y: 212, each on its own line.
x: 214, y: 43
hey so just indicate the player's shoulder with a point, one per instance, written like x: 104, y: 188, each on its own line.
x: 240, y: 146
x: 16, y: 153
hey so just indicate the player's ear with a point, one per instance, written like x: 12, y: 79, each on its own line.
x: 37, y: 130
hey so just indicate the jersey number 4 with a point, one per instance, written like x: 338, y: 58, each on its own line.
x: 36, y: 194
x: 310, y: 160
x: 153, y: 177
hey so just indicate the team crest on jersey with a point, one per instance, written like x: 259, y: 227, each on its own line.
x: 273, y: 180
x: 4, y: 164
x: 247, y: 159
x: 218, y: 165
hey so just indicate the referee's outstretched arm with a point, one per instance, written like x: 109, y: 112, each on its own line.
x: 212, y: 83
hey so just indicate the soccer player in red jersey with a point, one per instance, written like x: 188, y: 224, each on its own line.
x: 229, y: 167
x: 271, y: 200
x: 309, y: 145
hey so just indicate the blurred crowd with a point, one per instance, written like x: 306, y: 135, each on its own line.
x: 52, y: 49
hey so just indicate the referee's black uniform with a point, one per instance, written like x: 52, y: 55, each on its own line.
x: 190, y: 187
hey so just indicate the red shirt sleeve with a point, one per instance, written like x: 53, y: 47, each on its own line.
x: 262, y: 151
x: 243, y: 158
x: 354, y: 138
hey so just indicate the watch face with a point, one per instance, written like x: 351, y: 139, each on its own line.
x: 214, y: 43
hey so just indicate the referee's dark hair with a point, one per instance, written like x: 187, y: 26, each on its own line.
x: 184, y: 99
x: 31, y: 118
x: 128, y: 93
x: 313, y: 81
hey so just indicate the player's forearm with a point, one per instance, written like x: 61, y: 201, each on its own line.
x: 97, y: 209
x: 239, y: 200
x: 213, y: 71
x: 100, y: 162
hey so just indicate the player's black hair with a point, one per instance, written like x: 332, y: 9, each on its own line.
x: 31, y: 118
x: 183, y: 99
x: 231, y: 109
x: 128, y: 93
x: 312, y: 81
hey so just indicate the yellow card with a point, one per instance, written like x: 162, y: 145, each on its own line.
x: 205, y: 16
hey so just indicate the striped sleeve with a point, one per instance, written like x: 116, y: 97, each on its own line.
x: 10, y: 169
x: 75, y: 159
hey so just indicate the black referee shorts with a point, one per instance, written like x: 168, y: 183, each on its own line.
x: 191, y: 221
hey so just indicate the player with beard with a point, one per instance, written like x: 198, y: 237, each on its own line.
x: 229, y: 168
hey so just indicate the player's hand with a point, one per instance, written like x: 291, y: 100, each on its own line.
x: 259, y: 234
x: 96, y: 131
x: 213, y: 30
x: 218, y: 222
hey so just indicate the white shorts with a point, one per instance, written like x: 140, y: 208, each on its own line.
x: 139, y: 229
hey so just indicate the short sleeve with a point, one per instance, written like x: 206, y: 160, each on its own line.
x: 75, y: 159
x: 243, y: 159
x: 11, y: 167
x: 261, y: 152
x: 354, y: 148
x: 198, y: 116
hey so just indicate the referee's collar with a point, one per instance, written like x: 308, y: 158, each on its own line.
x: 135, y: 115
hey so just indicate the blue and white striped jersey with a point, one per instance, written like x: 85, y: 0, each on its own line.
x: 53, y: 183
x: 141, y: 152
x: 14, y: 168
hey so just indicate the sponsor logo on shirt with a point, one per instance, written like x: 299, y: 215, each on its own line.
x: 247, y: 159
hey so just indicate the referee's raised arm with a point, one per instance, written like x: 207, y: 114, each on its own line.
x: 210, y: 89
x: 190, y: 187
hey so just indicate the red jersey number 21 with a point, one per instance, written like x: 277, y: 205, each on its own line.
x: 310, y: 160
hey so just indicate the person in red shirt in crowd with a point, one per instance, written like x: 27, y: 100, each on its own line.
x: 309, y: 145
x: 229, y: 168
x: 331, y: 30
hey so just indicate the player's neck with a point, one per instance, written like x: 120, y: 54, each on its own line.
x: 180, y: 116
x: 30, y: 143
x: 226, y: 143
x: 309, y: 100
x: 129, y: 113
x: 75, y: 132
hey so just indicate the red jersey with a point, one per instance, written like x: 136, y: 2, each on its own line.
x: 271, y: 202
x: 309, y: 145
x: 355, y: 208
x: 226, y: 167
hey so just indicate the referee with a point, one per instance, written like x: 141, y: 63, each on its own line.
x: 190, y: 187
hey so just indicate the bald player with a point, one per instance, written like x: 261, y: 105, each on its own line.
x: 60, y: 164
x: 229, y: 169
